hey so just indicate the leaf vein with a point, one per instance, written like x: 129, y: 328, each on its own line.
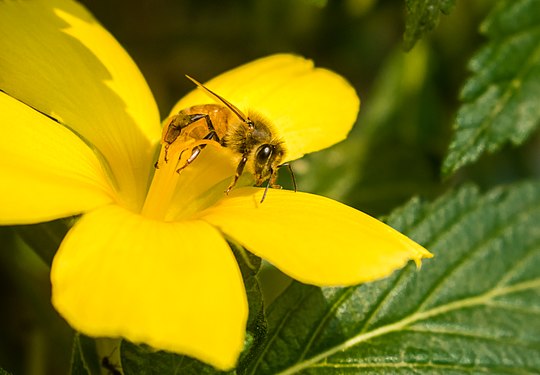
x: 275, y: 334
x: 531, y: 252
x: 439, y: 366
x: 493, y: 234
x: 381, y: 302
x: 329, y: 313
x: 448, y: 332
x: 383, y: 330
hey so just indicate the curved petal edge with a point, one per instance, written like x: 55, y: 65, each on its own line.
x: 313, y: 239
x: 174, y: 286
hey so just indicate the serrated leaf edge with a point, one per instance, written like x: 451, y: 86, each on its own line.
x: 510, y: 89
x: 346, y: 294
x: 494, y: 233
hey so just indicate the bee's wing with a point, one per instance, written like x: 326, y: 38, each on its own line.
x: 308, y: 108
x: 219, y: 99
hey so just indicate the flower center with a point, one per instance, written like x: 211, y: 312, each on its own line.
x: 179, y: 190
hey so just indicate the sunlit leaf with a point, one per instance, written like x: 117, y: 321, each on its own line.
x: 500, y: 100
x: 422, y: 17
x: 472, y: 308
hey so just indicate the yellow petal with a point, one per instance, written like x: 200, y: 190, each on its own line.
x: 174, y: 286
x: 313, y: 239
x: 202, y: 184
x: 58, y: 59
x: 310, y: 108
x: 47, y: 172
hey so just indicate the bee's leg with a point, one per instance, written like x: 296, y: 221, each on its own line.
x: 180, y: 123
x: 196, y: 150
x: 194, y: 153
x: 212, y: 134
x: 266, y: 191
x: 239, y: 170
x: 272, y: 183
x: 172, y: 131
x: 273, y: 176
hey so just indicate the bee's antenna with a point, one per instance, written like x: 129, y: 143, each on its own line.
x: 288, y: 165
x: 271, y: 180
x: 217, y: 97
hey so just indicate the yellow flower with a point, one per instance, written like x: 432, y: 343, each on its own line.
x: 80, y: 133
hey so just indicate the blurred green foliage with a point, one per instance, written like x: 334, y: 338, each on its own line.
x: 409, y: 103
x: 501, y: 98
x: 422, y: 17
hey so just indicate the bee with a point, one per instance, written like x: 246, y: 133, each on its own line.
x: 250, y: 138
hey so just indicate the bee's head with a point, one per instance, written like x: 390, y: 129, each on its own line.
x: 266, y: 161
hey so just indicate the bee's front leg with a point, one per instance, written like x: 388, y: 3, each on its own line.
x: 239, y: 171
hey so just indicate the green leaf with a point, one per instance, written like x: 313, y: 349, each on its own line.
x: 4, y: 372
x: 422, y: 17
x: 142, y: 360
x: 256, y: 324
x: 473, y: 308
x: 84, y: 358
x: 45, y: 238
x: 501, y: 98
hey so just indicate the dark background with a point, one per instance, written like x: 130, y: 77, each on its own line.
x: 395, y: 151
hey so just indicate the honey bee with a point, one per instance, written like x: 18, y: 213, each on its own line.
x: 250, y: 138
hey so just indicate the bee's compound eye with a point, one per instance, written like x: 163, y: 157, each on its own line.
x: 264, y: 152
